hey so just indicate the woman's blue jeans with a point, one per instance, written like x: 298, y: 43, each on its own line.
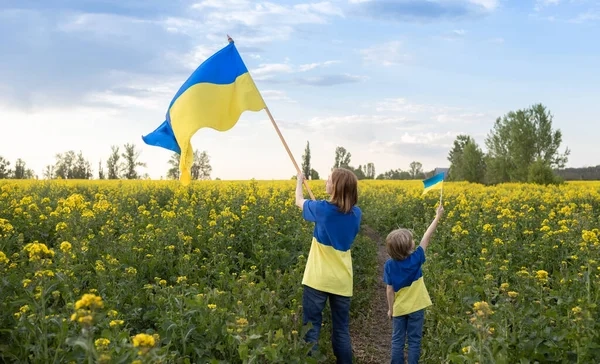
x: 313, y: 303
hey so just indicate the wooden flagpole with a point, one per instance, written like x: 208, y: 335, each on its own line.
x: 282, y: 139
x: 288, y: 151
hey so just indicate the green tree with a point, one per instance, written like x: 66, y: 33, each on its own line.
x: 21, y: 171
x: 173, y: 172
x: 416, y: 170
x: 314, y: 175
x: 541, y: 173
x: 101, y: 174
x: 467, y: 160
x: 49, y: 172
x: 342, y: 158
x: 131, y: 162
x: 359, y: 172
x: 5, y: 171
x: 519, y: 139
x: 306, y: 169
x: 112, y: 164
x: 201, y: 168
x: 368, y: 170
x: 472, y: 163
x: 455, y: 157
x: 72, y: 166
x: 395, y: 174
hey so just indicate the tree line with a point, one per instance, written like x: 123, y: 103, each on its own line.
x: 343, y: 159
x: 522, y: 146
x: 120, y: 164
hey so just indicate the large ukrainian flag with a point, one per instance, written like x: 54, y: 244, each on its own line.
x: 214, y: 96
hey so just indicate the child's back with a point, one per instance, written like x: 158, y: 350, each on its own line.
x: 407, y: 295
x: 406, y: 278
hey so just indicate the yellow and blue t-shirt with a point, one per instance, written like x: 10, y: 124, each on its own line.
x: 406, y: 277
x: 329, y: 263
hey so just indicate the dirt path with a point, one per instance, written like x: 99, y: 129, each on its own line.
x: 372, y: 335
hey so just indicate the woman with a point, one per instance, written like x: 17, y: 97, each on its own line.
x: 328, y: 273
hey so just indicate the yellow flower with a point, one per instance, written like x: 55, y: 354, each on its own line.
x: 542, y: 276
x: 241, y: 322
x: 482, y: 309
x: 576, y: 310
x: 101, y: 343
x: 38, y: 251
x: 212, y: 306
x: 466, y: 350
x: 3, y: 258
x: 115, y: 323
x: 504, y: 286
x: 143, y: 341
x: 181, y: 279
x: 512, y: 294
x: 89, y: 301
x: 65, y: 246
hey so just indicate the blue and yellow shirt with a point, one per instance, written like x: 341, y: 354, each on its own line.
x: 406, y: 277
x: 329, y: 263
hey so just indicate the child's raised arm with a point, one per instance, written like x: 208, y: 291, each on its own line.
x: 299, y: 192
x: 438, y: 214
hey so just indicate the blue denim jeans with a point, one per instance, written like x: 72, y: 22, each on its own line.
x: 313, y: 303
x: 407, y: 328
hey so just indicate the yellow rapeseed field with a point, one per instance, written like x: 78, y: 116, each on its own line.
x: 150, y: 271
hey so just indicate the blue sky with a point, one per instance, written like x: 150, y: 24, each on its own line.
x: 391, y: 81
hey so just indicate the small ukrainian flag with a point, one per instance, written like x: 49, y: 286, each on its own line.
x: 434, y: 182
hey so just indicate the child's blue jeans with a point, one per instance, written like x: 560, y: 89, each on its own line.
x: 407, y: 328
x: 313, y: 303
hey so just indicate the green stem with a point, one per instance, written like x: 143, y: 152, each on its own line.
x: 44, y: 326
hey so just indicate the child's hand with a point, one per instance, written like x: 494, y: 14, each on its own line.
x: 389, y: 314
x: 440, y: 211
x: 300, y: 177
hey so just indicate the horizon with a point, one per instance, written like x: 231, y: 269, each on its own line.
x: 391, y: 81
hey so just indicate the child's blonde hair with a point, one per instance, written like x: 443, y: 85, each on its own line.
x: 399, y: 244
x: 345, y: 189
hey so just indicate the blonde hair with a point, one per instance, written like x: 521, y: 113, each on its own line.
x: 345, y: 189
x: 399, y: 244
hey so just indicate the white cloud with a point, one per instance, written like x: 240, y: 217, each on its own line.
x: 401, y: 105
x: 324, y: 7
x: 486, y: 4
x: 268, y: 70
x: 387, y: 54
x: 253, y: 22
x: 540, y: 4
x: 312, y: 66
x: 587, y: 16
x: 497, y: 40
x: 276, y: 95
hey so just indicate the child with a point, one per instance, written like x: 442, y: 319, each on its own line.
x: 406, y: 293
x: 328, y: 273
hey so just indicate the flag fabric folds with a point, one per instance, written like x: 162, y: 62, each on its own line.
x: 433, y: 182
x: 214, y: 96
